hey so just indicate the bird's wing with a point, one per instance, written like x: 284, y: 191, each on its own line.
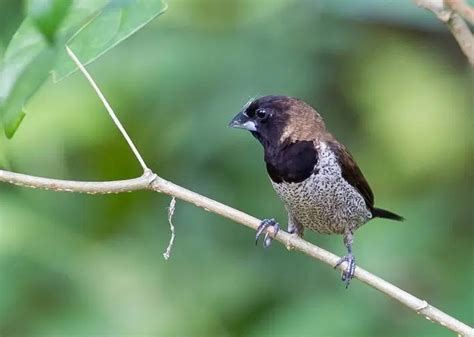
x: 351, y: 172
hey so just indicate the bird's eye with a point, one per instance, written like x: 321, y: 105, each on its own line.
x: 261, y: 113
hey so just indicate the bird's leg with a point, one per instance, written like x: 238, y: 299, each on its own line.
x: 294, y: 228
x: 267, y: 240
x: 348, y: 274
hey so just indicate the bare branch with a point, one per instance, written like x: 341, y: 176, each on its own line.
x: 449, y: 12
x: 108, y: 107
x: 150, y: 181
x: 171, y: 209
x: 463, y: 35
x: 104, y: 187
x: 462, y: 8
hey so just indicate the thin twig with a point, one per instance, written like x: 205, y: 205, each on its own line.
x: 171, y: 209
x: 150, y: 181
x: 108, y: 107
x: 448, y: 14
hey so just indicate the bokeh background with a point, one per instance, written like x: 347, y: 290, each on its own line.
x: 391, y: 84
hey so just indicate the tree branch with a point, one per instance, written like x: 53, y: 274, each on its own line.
x: 450, y: 12
x: 462, y: 8
x: 150, y: 181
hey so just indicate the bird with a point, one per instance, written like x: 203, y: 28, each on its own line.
x: 316, y: 177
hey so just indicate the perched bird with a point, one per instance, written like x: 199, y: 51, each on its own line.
x: 319, y: 182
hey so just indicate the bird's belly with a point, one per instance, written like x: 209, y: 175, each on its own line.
x: 325, y: 203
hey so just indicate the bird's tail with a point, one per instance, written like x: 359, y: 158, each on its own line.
x: 382, y: 213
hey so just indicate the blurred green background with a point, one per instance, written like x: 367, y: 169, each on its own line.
x: 391, y: 83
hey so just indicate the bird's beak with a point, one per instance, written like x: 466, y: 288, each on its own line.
x: 242, y: 121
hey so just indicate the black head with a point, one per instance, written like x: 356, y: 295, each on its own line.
x: 274, y: 119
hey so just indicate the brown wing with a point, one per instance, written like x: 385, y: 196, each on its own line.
x: 351, y: 172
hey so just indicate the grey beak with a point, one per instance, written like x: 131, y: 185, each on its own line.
x: 242, y: 121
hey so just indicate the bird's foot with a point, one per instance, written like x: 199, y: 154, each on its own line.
x: 266, y: 223
x: 347, y: 274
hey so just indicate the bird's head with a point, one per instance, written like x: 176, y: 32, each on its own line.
x: 274, y: 120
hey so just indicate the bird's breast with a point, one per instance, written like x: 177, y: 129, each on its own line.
x: 324, y: 201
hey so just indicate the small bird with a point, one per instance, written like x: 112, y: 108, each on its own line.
x: 316, y: 177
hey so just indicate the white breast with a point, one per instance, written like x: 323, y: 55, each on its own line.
x: 324, y: 202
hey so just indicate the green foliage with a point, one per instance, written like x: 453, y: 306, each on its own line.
x: 25, y: 67
x: 90, y: 28
x: 47, y: 15
x: 117, y: 21
x: 394, y: 90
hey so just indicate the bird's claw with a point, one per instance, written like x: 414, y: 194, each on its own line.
x: 348, y: 273
x: 267, y: 240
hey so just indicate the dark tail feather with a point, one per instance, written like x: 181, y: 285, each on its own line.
x: 381, y: 213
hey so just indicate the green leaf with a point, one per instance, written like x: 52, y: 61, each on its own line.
x: 27, y: 83
x: 118, y: 21
x: 47, y: 15
x: 25, y: 67
x: 91, y: 28
x: 11, y: 125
